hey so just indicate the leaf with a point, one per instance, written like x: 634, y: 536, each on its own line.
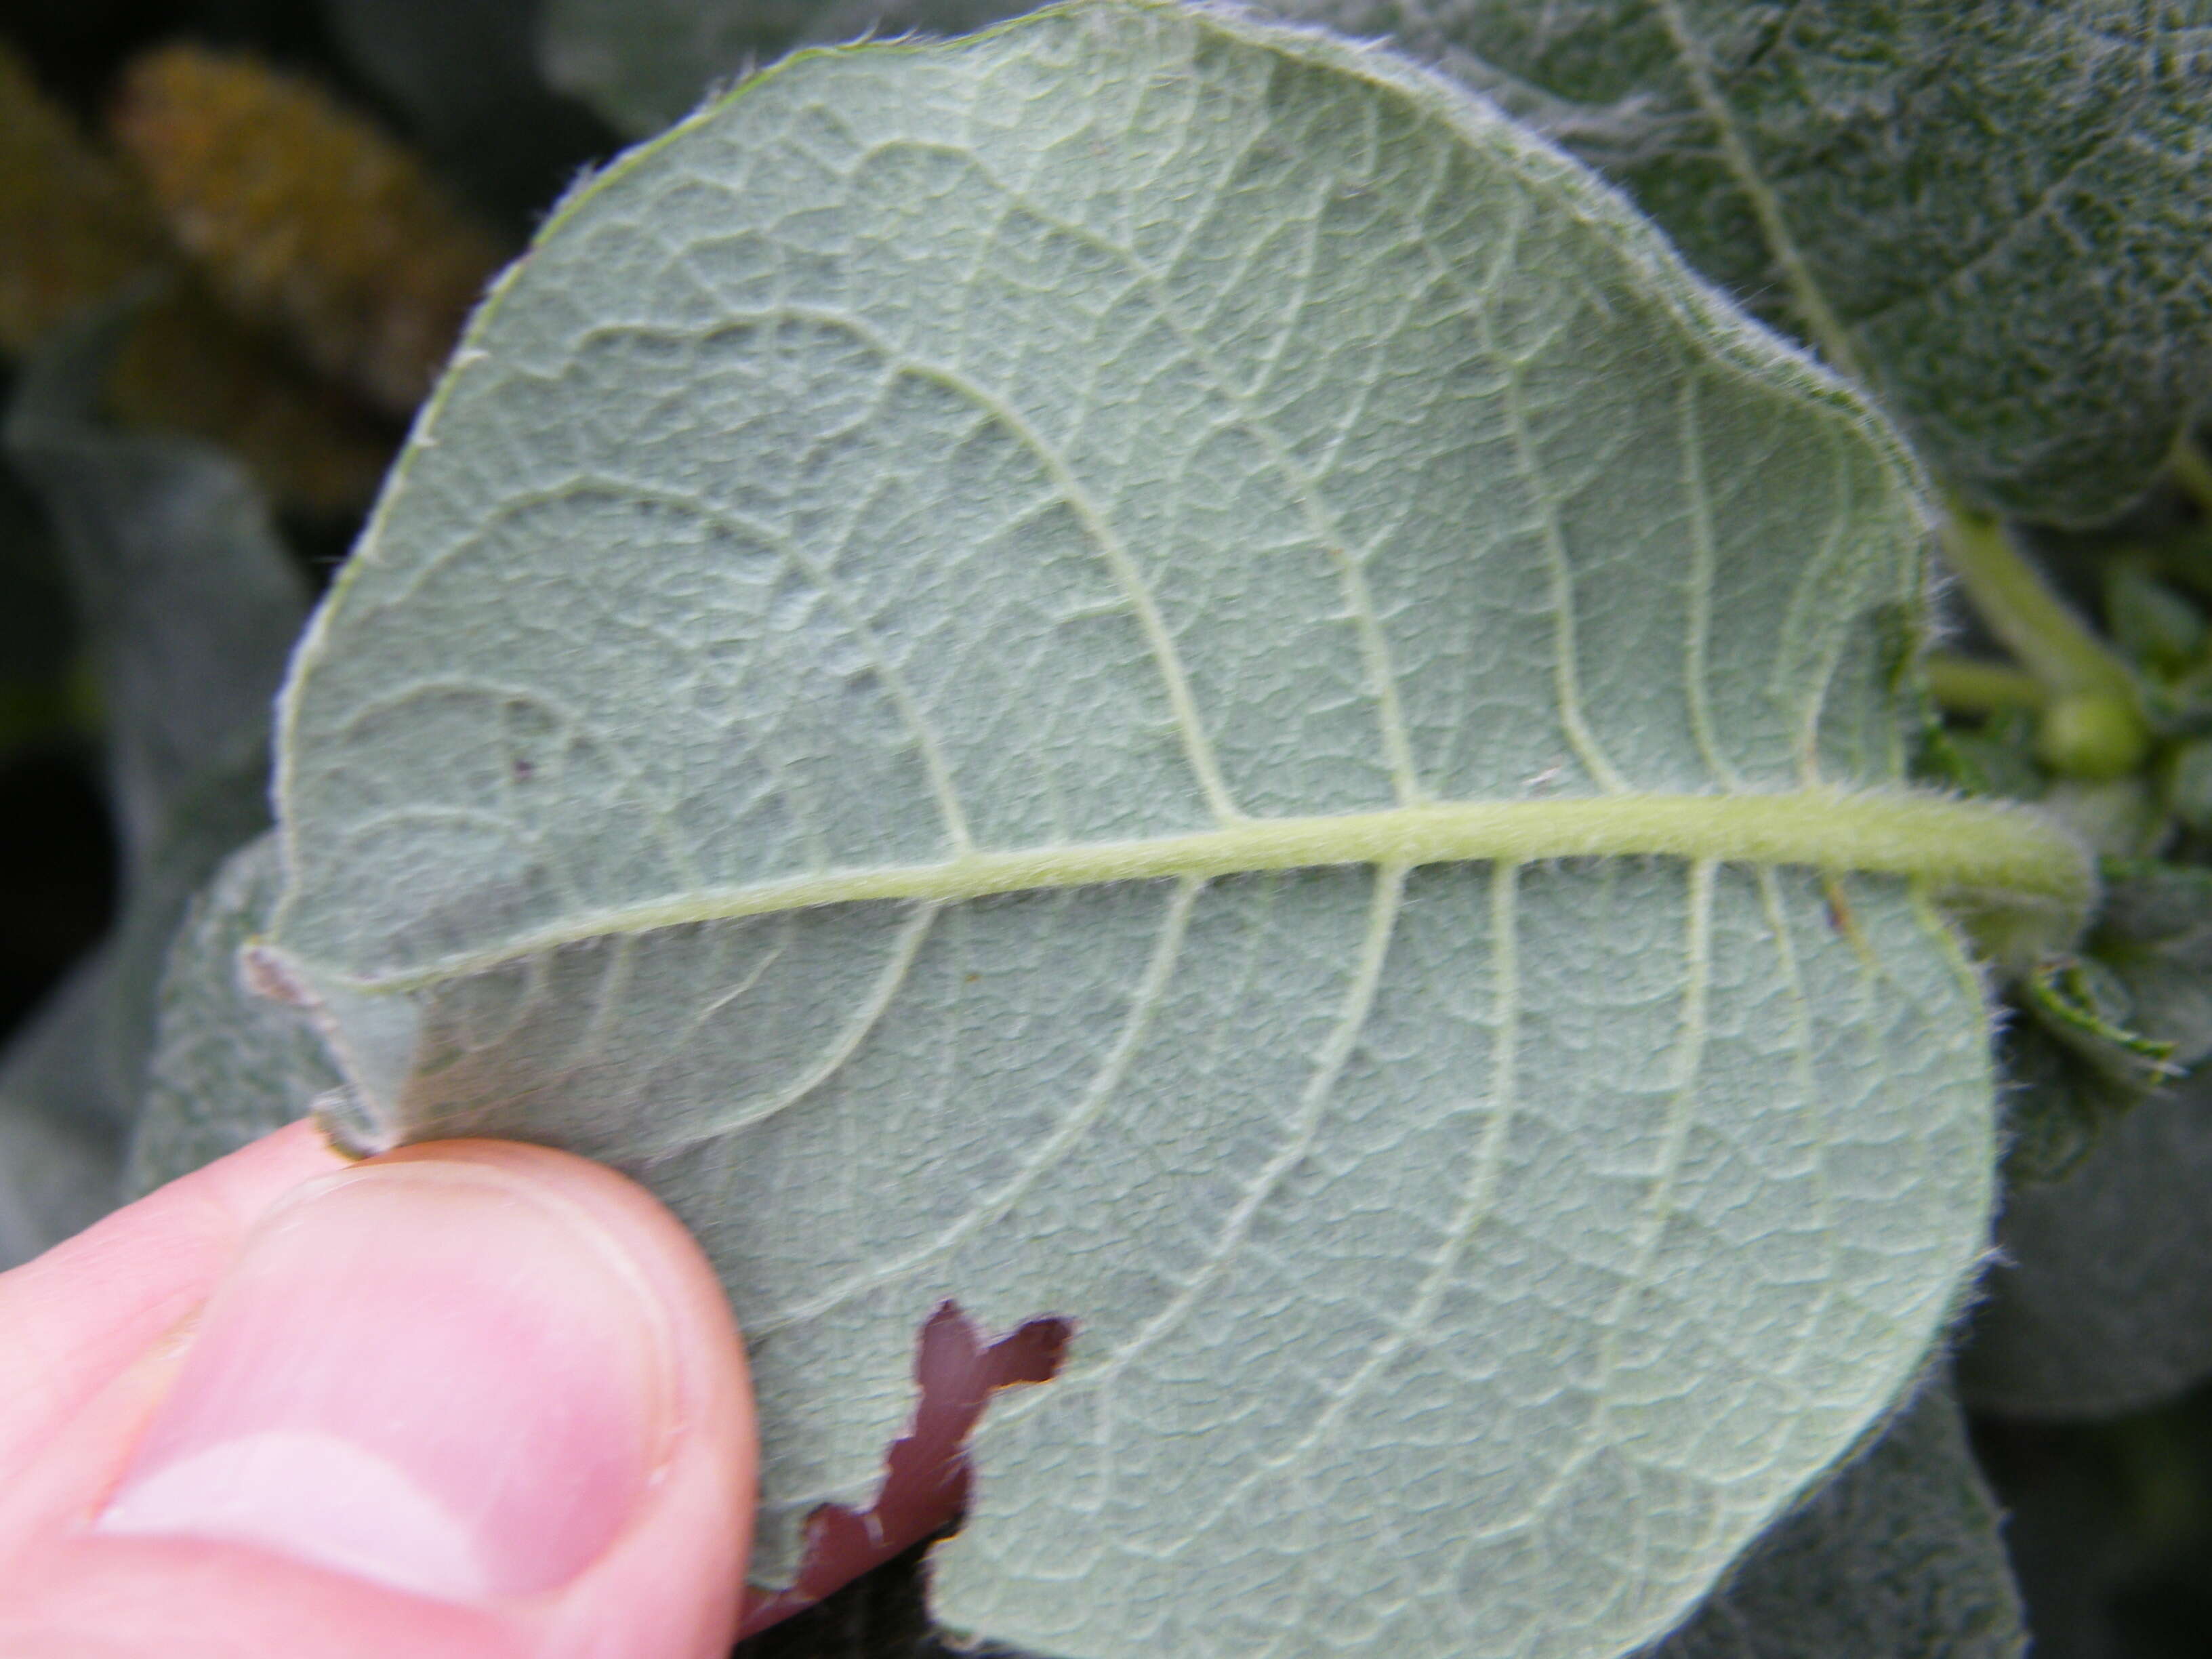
x: 1996, y: 214
x: 641, y: 65
x: 188, y: 607
x: 2097, y: 1307
x: 228, y: 1066
x: 1148, y: 669
x: 2057, y: 1102
x: 2153, y: 935
x: 2085, y: 1006
x: 59, y: 1145
x: 187, y: 601
x: 1897, y: 1555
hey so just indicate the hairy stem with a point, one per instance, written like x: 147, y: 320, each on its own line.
x: 1944, y: 842
x: 1968, y: 685
x: 2030, y: 621
x: 2092, y: 724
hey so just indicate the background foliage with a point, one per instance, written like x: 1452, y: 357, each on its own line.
x: 235, y: 238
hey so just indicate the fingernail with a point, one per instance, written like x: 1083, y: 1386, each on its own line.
x: 438, y: 1377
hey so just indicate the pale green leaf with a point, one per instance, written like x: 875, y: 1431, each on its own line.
x: 2100, y: 1304
x: 1997, y: 213
x: 228, y: 1066
x: 1899, y: 1556
x: 1147, y: 668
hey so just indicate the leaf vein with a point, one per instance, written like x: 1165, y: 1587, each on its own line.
x: 1313, y: 1109
x: 1144, y: 1002
x: 1959, y: 843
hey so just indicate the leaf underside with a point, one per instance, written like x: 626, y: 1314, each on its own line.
x: 228, y: 1066
x: 1127, y: 425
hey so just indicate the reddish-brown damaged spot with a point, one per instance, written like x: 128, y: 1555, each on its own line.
x: 926, y: 1474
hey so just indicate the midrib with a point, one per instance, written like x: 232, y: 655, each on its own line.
x: 1936, y: 839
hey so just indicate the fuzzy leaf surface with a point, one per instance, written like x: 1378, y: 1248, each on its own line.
x: 1148, y: 669
x: 1996, y: 214
x: 1898, y: 1554
x: 228, y: 1066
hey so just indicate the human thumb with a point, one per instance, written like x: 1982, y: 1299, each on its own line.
x: 470, y: 1399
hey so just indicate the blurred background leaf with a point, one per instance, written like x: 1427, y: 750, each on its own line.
x: 2101, y: 1303
x: 186, y: 605
x: 641, y: 65
x: 464, y: 75
x: 1898, y: 1554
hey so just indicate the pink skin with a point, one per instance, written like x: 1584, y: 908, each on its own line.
x: 926, y: 1473
x: 588, y: 1318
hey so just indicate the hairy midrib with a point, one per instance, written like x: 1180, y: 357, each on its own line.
x: 1937, y: 839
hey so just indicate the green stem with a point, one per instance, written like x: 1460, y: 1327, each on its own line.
x: 1963, y: 685
x: 2092, y: 724
x: 2029, y: 620
x: 1949, y: 843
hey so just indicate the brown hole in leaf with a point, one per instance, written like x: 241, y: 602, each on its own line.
x: 925, y: 1473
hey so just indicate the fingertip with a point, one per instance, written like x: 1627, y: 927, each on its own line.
x: 470, y: 1378
x: 671, y: 1581
x: 80, y: 1313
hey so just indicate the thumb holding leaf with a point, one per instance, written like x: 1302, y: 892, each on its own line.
x: 470, y: 1399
